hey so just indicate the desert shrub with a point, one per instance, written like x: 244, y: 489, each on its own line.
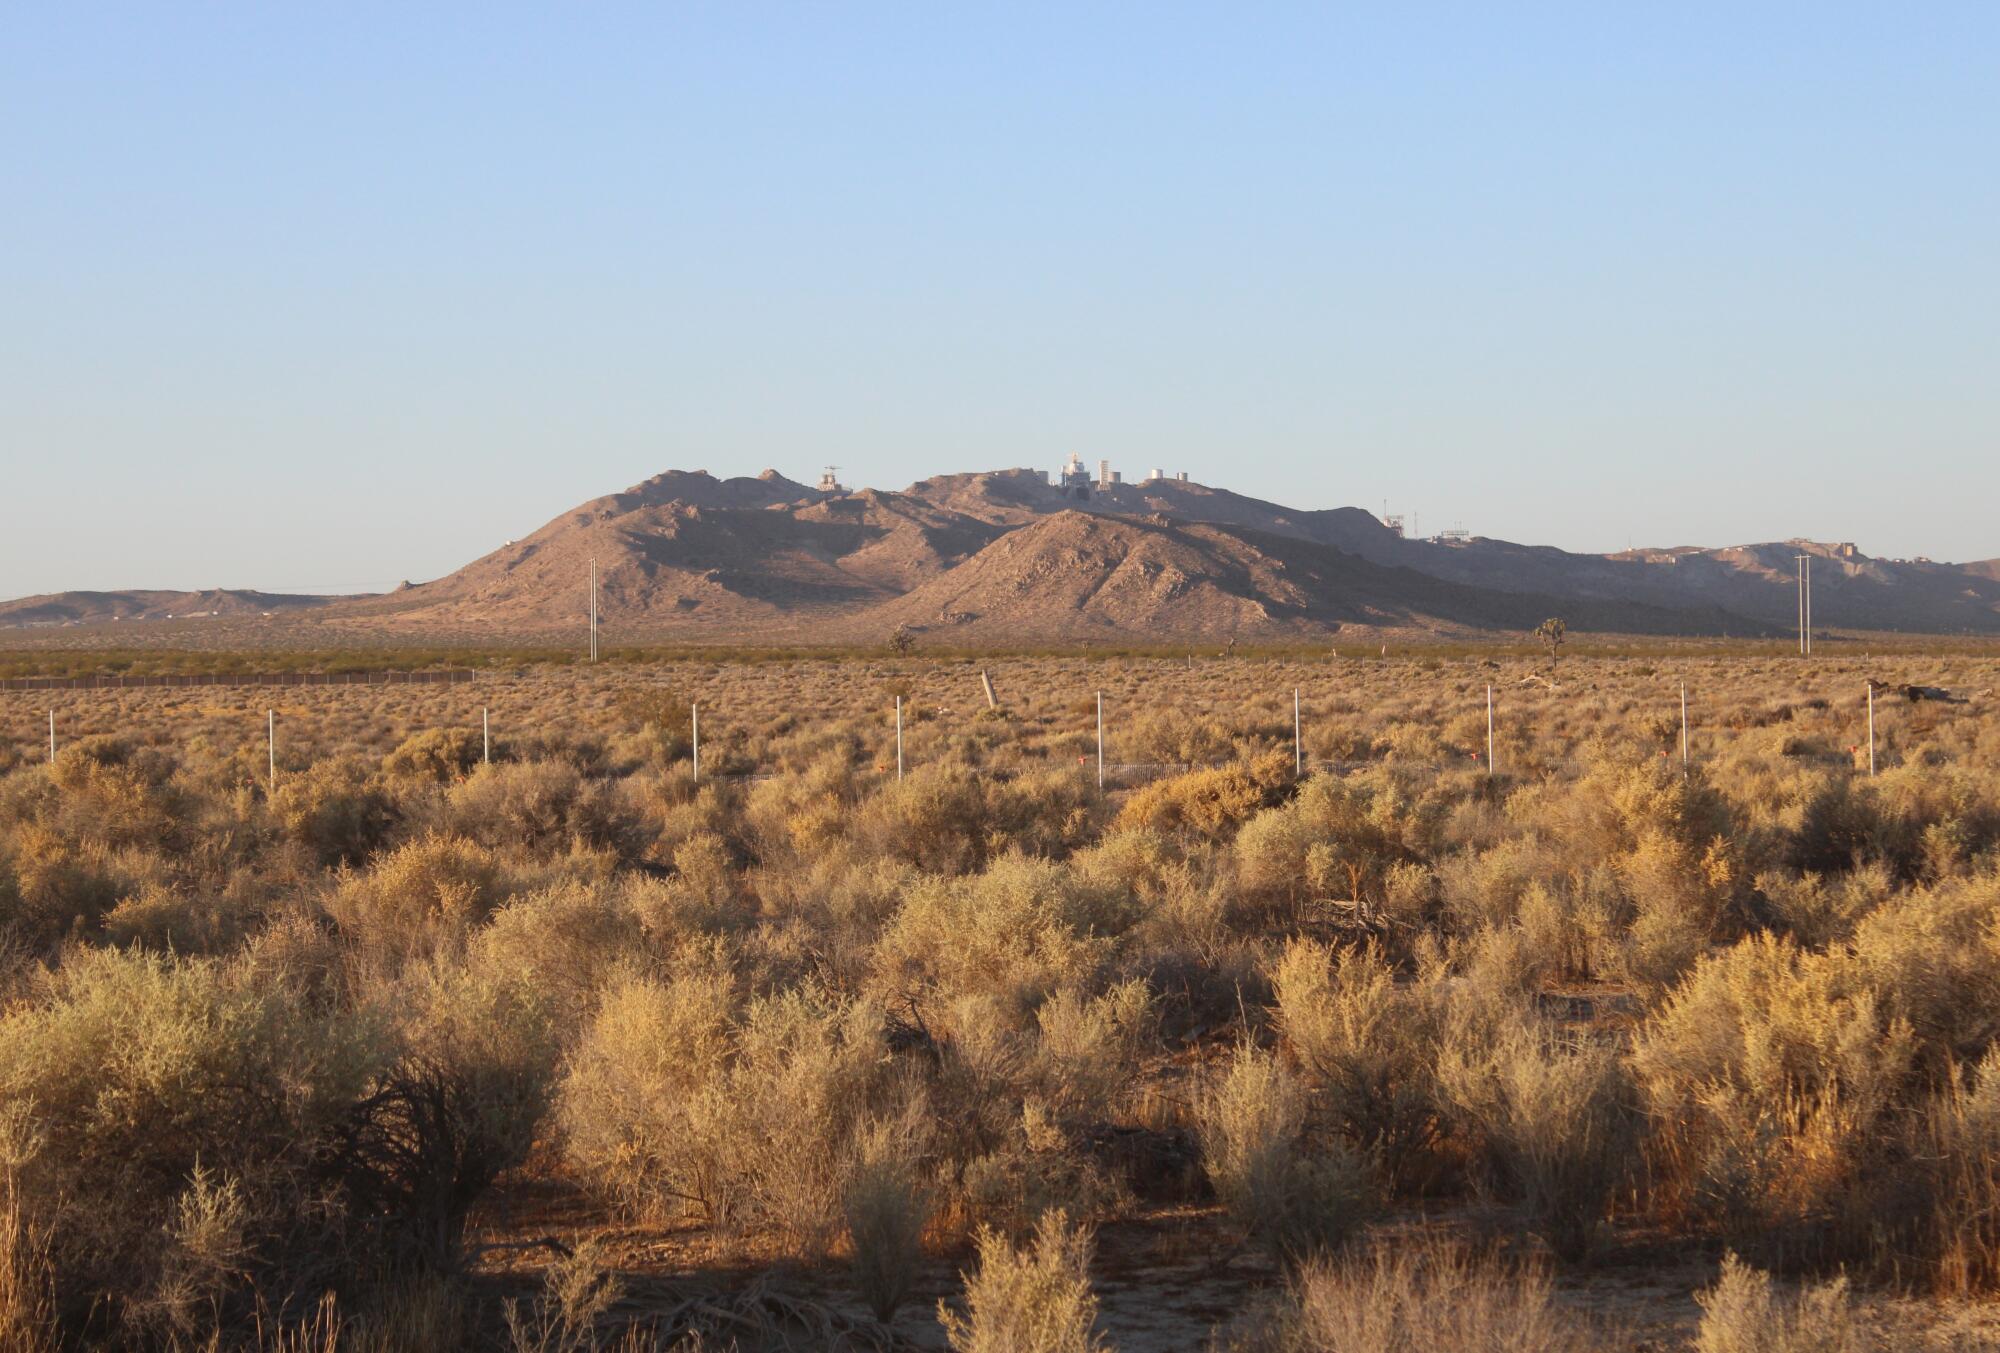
x: 639, y: 1099
x: 669, y: 1100
x: 1085, y: 1049
x: 662, y: 716
x: 1206, y: 803
x: 335, y: 810
x: 427, y: 892
x: 435, y: 756
x: 1818, y: 910
x: 1336, y: 836
x: 1164, y: 736
x: 1018, y: 931
x: 803, y: 812
x: 1031, y: 1300
x: 106, y: 791
x: 544, y: 807
x: 1551, y: 1112
x: 563, y: 1317
x: 1930, y: 956
x: 1365, y: 1046
x: 1428, y: 1296
x: 51, y: 887
x: 1741, y: 1314
x: 934, y: 818
x: 1253, y: 1123
x: 161, y: 917
x: 886, y: 1204
x: 1769, y: 1073
x: 179, y: 1111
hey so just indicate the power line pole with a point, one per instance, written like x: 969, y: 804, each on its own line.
x: 1805, y: 604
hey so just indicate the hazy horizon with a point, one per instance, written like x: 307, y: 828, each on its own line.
x: 322, y: 299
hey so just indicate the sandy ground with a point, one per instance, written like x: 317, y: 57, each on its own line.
x: 1173, y: 1279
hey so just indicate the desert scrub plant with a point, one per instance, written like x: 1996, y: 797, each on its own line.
x: 1295, y: 1205
x: 1085, y: 1050
x: 1432, y: 1295
x: 411, y: 900
x: 1770, y: 1074
x: 1553, y: 1116
x: 1209, y: 803
x: 1019, y: 931
x: 542, y: 807
x: 640, y: 1101
x: 886, y: 1203
x: 336, y: 810
x: 136, y: 1072
x: 1365, y: 1047
x: 1036, y: 1299
x: 435, y: 756
x: 1741, y: 1314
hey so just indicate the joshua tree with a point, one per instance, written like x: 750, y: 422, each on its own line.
x: 1552, y: 632
x: 903, y: 640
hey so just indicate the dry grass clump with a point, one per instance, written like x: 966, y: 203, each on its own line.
x: 1430, y: 1297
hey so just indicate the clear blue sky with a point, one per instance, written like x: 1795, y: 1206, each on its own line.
x: 311, y: 297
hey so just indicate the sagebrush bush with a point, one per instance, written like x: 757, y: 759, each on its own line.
x: 1036, y: 1299
x: 1295, y: 1203
x: 1742, y: 1314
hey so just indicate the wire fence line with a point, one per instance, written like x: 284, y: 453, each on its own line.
x: 453, y: 677
x: 1106, y: 769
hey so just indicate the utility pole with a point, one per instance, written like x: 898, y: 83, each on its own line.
x: 1801, y: 563
x: 1805, y: 604
x: 593, y: 610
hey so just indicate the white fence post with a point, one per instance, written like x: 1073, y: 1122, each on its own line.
x: 1298, y: 742
x: 1489, y: 730
x: 694, y: 736
x: 1871, y: 728
x: 899, y: 737
x: 1100, y: 742
x: 1684, y: 730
